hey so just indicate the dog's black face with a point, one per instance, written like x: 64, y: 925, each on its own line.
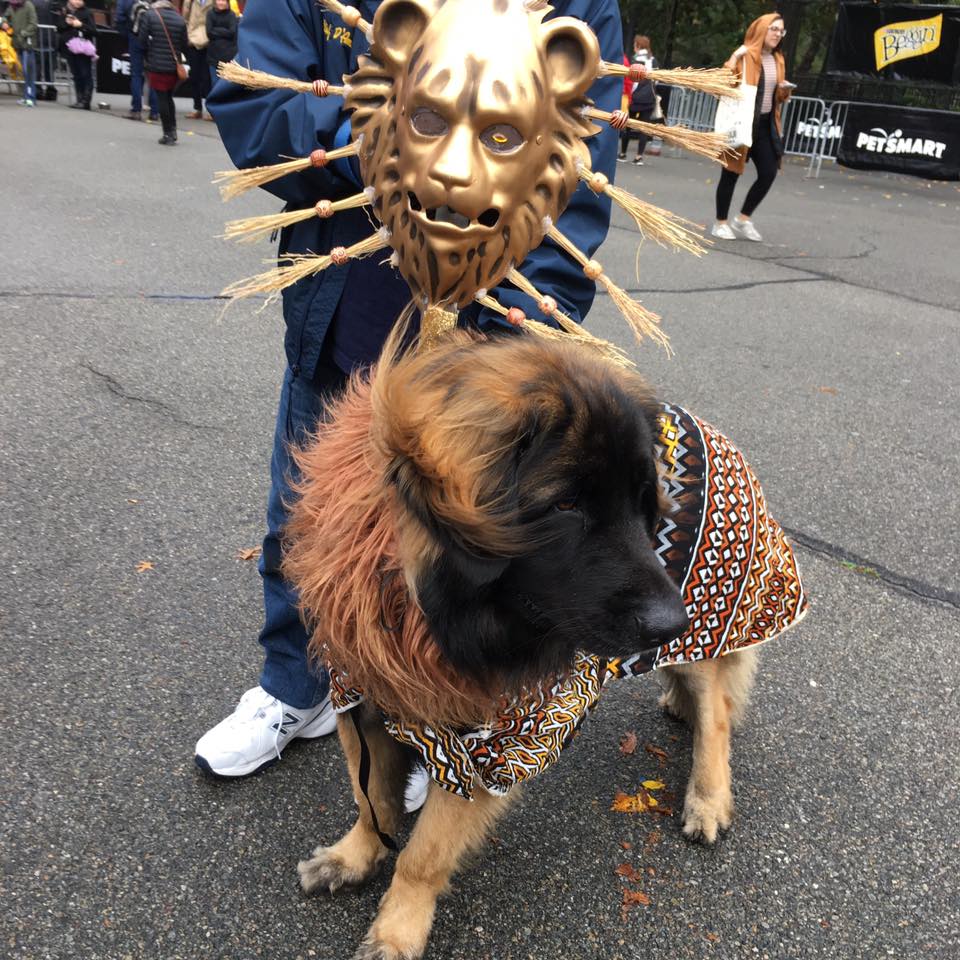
x: 584, y: 497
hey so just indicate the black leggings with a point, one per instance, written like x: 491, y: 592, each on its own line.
x: 767, y: 161
x: 642, y: 138
x: 168, y: 112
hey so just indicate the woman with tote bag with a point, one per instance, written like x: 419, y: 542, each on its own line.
x: 760, y: 64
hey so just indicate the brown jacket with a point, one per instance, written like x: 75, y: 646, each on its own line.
x: 749, y: 67
x: 194, y: 12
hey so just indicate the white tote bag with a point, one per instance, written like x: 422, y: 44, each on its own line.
x: 735, y: 117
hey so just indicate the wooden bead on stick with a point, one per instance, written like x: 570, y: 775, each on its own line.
x: 598, y: 182
x: 593, y: 269
x: 516, y: 317
x: 321, y: 88
x: 547, y: 306
x: 324, y: 209
x: 318, y: 157
x: 638, y: 73
x: 339, y: 256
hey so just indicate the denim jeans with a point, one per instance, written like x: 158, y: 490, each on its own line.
x: 136, y: 79
x: 287, y: 673
x: 28, y: 61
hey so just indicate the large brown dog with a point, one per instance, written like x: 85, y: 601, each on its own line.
x: 471, y: 523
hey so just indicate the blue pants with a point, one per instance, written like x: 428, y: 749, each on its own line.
x: 28, y: 60
x: 136, y: 79
x: 287, y: 673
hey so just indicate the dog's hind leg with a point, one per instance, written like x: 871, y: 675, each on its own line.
x: 358, y: 855
x: 710, y: 695
x: 447, y: 830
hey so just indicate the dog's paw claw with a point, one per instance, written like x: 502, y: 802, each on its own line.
x: 705, y: 817
x: 375, y: 950
x: 324, y: 871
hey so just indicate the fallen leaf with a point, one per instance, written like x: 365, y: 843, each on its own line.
x: 250, y: 554
x: 628, y: 743
x: 626, y: 844
x: 712, y: 937
x: 144, y: 565
x: 653, y: 785
x: 651, y: 872
x: 625, y: 870
x: 654, y: 837
x: 657, y: 752
x: 833, y: 391
x: 631, y: 897
x: 627, y: 803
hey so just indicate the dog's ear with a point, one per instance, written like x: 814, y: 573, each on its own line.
x: 418, y: 496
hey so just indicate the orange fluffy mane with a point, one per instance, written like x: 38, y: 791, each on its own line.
x: 342, y: 556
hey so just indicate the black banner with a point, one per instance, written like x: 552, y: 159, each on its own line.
x: 898, y: 41
x: 922, y: 143
x: 113, y: 67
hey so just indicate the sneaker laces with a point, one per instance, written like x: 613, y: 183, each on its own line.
x: 254, y: 705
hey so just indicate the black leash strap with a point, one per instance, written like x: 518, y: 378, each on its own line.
x: 385, y: 838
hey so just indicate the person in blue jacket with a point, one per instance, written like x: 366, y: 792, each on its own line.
x: 338, y: 320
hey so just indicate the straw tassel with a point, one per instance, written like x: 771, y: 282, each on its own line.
x: 258, y: 80
x: 253, y: 228
x: 642, y: 321
x: 304, y: 265
x: 517, y: 318
x: 706, y: 144
x: 664, y: 227
x: 716, y: 81
x: 234, y: 182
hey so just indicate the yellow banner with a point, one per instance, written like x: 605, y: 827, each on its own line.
x: 910, y: 38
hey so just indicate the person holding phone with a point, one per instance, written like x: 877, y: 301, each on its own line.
x: 759, y: 62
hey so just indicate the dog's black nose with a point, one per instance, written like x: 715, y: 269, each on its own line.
x: 662, y: 618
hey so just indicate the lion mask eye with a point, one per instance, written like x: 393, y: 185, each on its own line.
x: 502, y: 138
x: 428, y: 123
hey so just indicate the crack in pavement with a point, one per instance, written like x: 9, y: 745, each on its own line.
x: 116, y: 388
x: 899, y: 581
x: 733, y: 286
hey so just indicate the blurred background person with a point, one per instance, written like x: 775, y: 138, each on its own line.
x: 127, y: 20
x: 222, y: 25
x: 163, y: 36
x: 78, y: 33
x: 644, y: 104
x: 21, y: 15
x: 194, y: 12
x: 759, y: 62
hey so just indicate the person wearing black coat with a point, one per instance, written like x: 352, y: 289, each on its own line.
x: 163, y: 36
x: 76, y: 23
x: 222, y: 25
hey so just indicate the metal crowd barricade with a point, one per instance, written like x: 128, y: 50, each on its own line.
x: 52, y: 70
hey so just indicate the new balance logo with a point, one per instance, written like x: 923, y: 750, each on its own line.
x: 287, y: 724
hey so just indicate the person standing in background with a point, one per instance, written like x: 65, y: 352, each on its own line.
x: 643, y: 100
x: 22, y: 17
x: 163, y: 36
x: 758, y: 62
x: 76, y: 26
x: 194, y: 13
x: 222, y: 25
x: 127, y: 22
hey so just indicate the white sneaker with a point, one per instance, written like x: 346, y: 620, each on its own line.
x: 746, y: 229
x: 722, y: 231
x: 415, y: 794
x: 253, y: 736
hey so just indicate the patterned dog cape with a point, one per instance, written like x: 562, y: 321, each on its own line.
x: 739, y: 581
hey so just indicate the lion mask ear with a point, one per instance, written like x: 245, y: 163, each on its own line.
x: 573, y: 57
x: 398, y: 25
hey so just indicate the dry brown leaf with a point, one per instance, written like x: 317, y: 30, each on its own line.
x: 712, y: 937
x: 657, y: 752
x: 628, y: 872
x: 833, y: 391
x: 626, y: 844
x: 628, y: 743
x: 631, y: 897
x: 144, y: 565
x: 251, y: 553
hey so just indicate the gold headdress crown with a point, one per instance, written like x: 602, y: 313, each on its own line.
x: 469, y: 131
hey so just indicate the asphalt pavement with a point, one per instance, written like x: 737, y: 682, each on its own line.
x: 136, y: 428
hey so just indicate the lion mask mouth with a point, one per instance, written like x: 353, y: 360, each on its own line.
x: 454, y: 218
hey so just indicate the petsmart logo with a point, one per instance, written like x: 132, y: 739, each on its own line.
x: 910, y: 38
x: 879, y: 141
x: 819, y: 131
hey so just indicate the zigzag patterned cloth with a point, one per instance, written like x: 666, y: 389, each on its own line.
x: 739, y: 581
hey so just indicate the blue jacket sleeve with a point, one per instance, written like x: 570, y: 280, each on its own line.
x: 260, y: 127
x: 587, y: 217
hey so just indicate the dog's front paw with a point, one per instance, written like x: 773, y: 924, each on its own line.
x: 328, y: 870
x: 705, y: 816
